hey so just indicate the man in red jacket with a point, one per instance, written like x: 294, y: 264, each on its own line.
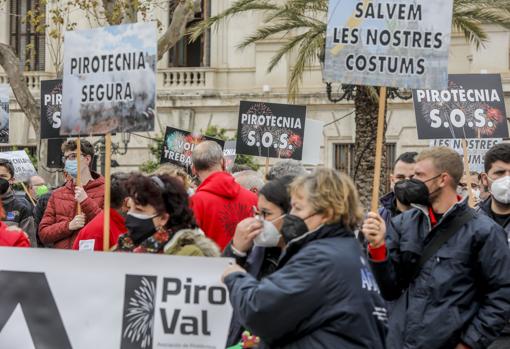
x: 61, y: 222
x: 92, y: 233
x: 219, y: 203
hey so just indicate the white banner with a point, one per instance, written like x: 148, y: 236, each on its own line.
x: 476, y: 150
x: 66, y: 299
x: 388, y: 43
x: 23, y: 167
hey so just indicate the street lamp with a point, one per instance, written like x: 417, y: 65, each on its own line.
x: 99, y: 147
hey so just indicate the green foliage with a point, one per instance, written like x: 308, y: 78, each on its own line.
x: 221, y: 133
x: 155, y: 150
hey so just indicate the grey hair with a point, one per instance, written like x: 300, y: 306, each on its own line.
x: 249, y: 179
x: 207, y: 155
x: 284, y: 168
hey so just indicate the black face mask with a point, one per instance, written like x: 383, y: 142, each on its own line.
x: 4, y: 186
x: 293, y: 227
x: 139, y: 228
x: 413, y: 191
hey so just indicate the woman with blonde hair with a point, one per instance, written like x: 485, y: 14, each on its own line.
x: 322, y: 294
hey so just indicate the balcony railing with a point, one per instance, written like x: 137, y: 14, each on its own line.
x: 33, y: 79
x: 186, y: 79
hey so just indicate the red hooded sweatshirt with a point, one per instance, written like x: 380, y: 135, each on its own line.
x: 219, y: 204
x: 94, y: 230
x: 12, y: 236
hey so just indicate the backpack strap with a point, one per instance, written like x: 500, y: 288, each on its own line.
x: 441, y: 235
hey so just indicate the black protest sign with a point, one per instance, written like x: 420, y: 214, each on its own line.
x: 473, y: 106
x: 178, y: 146
x: 51, y: 108
x: 54, y: 158
x: 271, y: 130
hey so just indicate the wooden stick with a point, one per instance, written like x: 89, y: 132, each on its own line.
x: 78, y: 174
x: 379, y: 149
x: 467, y: 172
x: 28, y: 194
x: 107, y: 185
x: 267, y: 166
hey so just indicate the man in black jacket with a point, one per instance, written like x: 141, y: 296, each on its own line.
x: 460, y: 296
x: 497, y: 206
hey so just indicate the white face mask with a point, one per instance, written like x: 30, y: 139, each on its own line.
x: 270, y: 236
x: 500, y: 190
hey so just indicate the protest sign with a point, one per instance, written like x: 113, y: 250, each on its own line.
x: 109, y: 79
x: 111, y: 300
x: 476, y: 150
x: 54, y: 157
x: 388, y: 43
x: 51, y: 108
x: 229, y: 154
x: 4, y: 113
x: 23, y: 167
x: 473, y: 106
x: 271, y: 130
x: 312, y: 142
x: 178, y: 146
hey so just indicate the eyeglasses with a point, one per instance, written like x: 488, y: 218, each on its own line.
x: 71, y: 156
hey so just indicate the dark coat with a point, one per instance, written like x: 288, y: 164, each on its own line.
x: 485, y: 208
x: 462, y: 293
x: 388, y: 207
x: 322, y: 295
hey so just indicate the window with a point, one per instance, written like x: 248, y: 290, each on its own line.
x: 344, y: 159
x: 28, y: 44
x: 196, y: 54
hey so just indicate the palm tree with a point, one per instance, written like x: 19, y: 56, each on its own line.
x: 306, y: 19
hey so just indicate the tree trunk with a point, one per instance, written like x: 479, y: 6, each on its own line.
x: 183, y: 13
x: 10, y: 62
x: 367, y: 109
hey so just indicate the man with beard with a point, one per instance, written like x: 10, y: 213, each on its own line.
x: 497, y: 206
x: 445, y: 266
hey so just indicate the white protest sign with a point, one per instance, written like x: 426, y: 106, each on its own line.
x: 388, y: 43
x: 23, y: 167
x: 111, y: 300
x: 87, y: 245
x: 109, y: 79
x: 476, y: 149
x: 312, y: 142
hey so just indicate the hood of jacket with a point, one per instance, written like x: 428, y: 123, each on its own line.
x: 388, y: 201
x: 221, y: 184
x: 192, y: 237
x: 96, y: 181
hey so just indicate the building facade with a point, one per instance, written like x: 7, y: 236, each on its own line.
x: 201, y: 84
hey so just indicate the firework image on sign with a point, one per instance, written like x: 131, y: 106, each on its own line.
x: 4, y: 113
x: 271, y: 130
x: 178, y: 146
x: 109, y: 79
x: 51, y: 108
x: 401, y: 43
x: 473, y: 106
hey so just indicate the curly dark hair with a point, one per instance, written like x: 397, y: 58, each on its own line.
x: 165, y: 194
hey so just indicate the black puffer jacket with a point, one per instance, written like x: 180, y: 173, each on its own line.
x: 485, y: 208
x: 462, y: 293
x: 322, y: 295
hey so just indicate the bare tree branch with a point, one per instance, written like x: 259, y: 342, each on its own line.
x: 183, y: 13
x: 10, y: 62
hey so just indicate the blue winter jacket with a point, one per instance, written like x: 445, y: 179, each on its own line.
x: 461, y: 294
x: 322, y: 295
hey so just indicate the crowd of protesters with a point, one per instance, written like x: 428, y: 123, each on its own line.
x: 313, y: 268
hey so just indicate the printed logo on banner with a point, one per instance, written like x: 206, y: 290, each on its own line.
x: 473, y: 106
x: 4, y: 113
x: 271, y: 130
x: 39, y: 308
x: 139, y: 312
x: 388, y: 43
x: 178, y: 146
